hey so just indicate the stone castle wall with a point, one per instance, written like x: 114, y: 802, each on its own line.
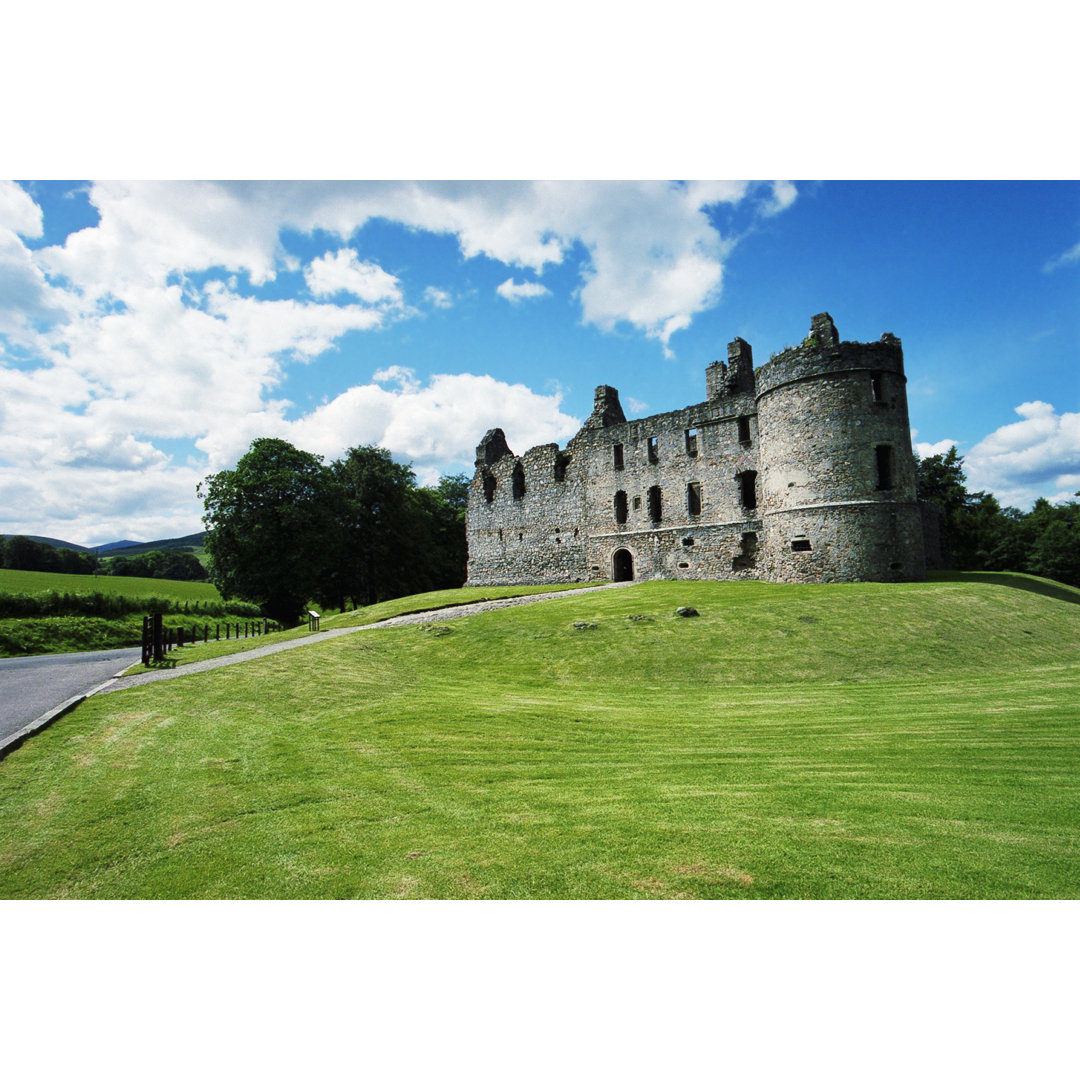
x: 800, y: 471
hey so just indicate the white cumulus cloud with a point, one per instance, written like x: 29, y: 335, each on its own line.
x: 527, y: 290
x: 342, y: 271
x: 1037, y: 455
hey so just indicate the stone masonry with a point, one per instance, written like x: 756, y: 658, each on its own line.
x: 800, y: 471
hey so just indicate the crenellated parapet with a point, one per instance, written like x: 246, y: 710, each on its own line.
x: 822, y: 352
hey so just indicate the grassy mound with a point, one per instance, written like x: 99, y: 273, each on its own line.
x: 899, y: 741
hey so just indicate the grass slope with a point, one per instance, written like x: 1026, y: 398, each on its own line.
x: 907, y: 741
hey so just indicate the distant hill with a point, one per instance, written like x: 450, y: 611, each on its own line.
x: 192, y: 543
x: 51, y: 541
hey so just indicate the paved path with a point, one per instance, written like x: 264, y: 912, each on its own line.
x: 441, y: 615
x: 32, y: 686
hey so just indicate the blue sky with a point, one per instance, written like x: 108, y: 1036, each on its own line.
x: 149, y: 331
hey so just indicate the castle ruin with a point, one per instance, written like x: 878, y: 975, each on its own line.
x: 800, y: 471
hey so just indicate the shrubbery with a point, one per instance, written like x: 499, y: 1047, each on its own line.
x: 114, y: 606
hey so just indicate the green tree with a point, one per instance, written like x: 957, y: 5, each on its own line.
x: 268, y: 523
x: 1056, y: 552
x: 974, y: 523
x: 374, y: 534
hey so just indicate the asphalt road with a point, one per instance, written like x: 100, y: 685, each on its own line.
x: 32, y: 685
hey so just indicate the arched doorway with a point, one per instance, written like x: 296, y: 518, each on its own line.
x: 622, y: 566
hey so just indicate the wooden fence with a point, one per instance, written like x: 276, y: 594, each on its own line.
x: 158, y: 640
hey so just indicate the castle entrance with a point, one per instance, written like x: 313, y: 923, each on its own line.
x: 622, y: 566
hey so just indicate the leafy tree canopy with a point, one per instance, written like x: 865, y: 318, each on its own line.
x: 980, y: 535
x: 266, y: 523
x: 284, y: 528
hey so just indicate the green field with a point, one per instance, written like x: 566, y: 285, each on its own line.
x: 34, y: 582
x: 53, y: 624
x: 871, y: 741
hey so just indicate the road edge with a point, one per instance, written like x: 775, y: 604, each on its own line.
x: 17, y: 738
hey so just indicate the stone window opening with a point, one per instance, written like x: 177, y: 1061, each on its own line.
x: 637, y: 502
x: 687, y: 541
x: 692, y: 441
x: 693, y: 499
x: 744, y: 430
x: 655, y: 504
x: 876, y: 391
x: 489, y: 487
x: 654, y: 450
x: 747, y: 557
x: 684, y: 566
x: 883, y: 461
x: 800, y: 544
x: 500, y: 535
x: 748, y: 489
x: 518, y: 481
x: 561, y: 462
x: 617, y: 455
x: 620, y: 508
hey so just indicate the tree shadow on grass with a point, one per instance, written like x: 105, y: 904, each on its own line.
x: 1027, y: 582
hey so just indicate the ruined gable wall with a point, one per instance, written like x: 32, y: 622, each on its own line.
x: 531, y: 540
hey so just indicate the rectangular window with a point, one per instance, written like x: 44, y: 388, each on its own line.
x: 617, y: 456
x: 620, y: 507
x: 744, y: 430
x: 637, y: 502
x: 692, y: 441
x: 655, y: 509
x: 693, y: 499
x: 800, y: 545
x: 883, y: 455
x: 654, y: 449
x: 875, y: 387
x: 748, y: 489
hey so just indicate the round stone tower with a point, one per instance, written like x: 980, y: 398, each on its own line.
x: 836, y: 472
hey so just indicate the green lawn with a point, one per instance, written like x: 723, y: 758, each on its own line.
x: 904, y: 741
